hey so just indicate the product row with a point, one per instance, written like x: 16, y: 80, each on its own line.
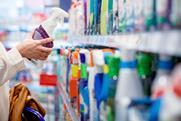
x: 119, y: 85
x: 94, y: 17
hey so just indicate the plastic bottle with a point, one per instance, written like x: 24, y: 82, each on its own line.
x: 129, y: 86
x: 113, y: 73
x: 145, y: 67
x: 130, y: 19
x: 122, y: 15
x: 163, y: 13
x: 176, y: 14
x: 83, y: 87
x: 171, y: 100
x: 149, y: 9
x: 161, y: 80
x: 104, y: 16
x: 46, y: 29
x: 74, y: 89
x: 139, y: 16
x: 115, y: 16
x: 98, y: 60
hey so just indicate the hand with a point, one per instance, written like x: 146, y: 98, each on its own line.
x: 34, y: 49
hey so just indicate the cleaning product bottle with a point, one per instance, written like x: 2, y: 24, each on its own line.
x: 104, y: 16
x: 176, y: 14
x: 129, y: 86
x: 113, y: 73
x: 122, y: 15
x: 115, y: 16
x: 161, y: 80
x: 110, y: 16
x: 91, y: 72
x: 46, y: 29
x: 139, y: 17
x: 83, y: 87
x: 171, y: 100
x: 149, y: 8
x: 130, y: 18
x: 74, y: 78
x: 145, y: 67
x: 104, y: 86
x: 163, y: 13
x: 98, y: 60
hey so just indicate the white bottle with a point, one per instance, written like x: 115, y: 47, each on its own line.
x: 129, y: 86
x: 162, y: 77
x: 171, y: 101
x: 98, y: 61
x: 45, y: 30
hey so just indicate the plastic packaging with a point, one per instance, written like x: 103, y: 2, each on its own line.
x: 45, y: 30
x: 128, y: 79
x: 161, y: 82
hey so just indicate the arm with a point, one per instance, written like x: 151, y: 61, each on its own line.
x: 10, y: 63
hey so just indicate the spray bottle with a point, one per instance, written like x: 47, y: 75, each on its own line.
x: 161, y: 80
x: 145, y: 67
x: 129, y: 86
x: 98, y: 60
x: 83, y: 87
x: 171, y: 100
x: 45, y: 30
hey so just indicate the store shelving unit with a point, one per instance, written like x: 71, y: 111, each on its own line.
x: 66, y: 101
x: 165, y: 42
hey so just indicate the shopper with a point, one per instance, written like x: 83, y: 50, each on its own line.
x: 13, y: 61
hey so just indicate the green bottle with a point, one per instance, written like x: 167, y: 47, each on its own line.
x: 145, y: 67
x: 113, y: 73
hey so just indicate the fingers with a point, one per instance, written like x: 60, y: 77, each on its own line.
x: 45, y: 49
x: 44, y: 41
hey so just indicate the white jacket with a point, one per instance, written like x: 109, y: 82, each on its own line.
x: 10, y: 63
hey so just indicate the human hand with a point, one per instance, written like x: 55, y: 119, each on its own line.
x: 34, y: 49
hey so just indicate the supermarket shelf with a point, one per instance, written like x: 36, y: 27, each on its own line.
x: 165, y: 42
x: 65, y: 99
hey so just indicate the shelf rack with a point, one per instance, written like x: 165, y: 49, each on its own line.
x: 66, y: 101
x: 165, y: 42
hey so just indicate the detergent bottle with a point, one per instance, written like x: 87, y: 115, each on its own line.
x: 129, y: 86
x: 45, y: 30
x: 161, y: 80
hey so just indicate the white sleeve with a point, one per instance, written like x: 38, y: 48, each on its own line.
x: 10, y: 63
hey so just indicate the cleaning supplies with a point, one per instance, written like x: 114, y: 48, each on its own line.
x: 46, y: 29
x: 115, y: 16
x: 110, y: 16
x: 149, y: 9
x: 145, y: 67
x: 113, y: 73
x: 98, y: 60
x: 139, y: 16
x: 163, y: 13
x: 104, y: 16
x: 130, y: 19
x: 176, y: 14
x: 129, y: 86
x: 171, y: 100
x: 83, y: 87
x: 162, y: 77
x: 122, y: 15
x: 74, y: 89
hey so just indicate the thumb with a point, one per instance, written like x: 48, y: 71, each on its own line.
x: 44, y: 41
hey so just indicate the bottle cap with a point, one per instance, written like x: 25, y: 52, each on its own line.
x: 98, y: 57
